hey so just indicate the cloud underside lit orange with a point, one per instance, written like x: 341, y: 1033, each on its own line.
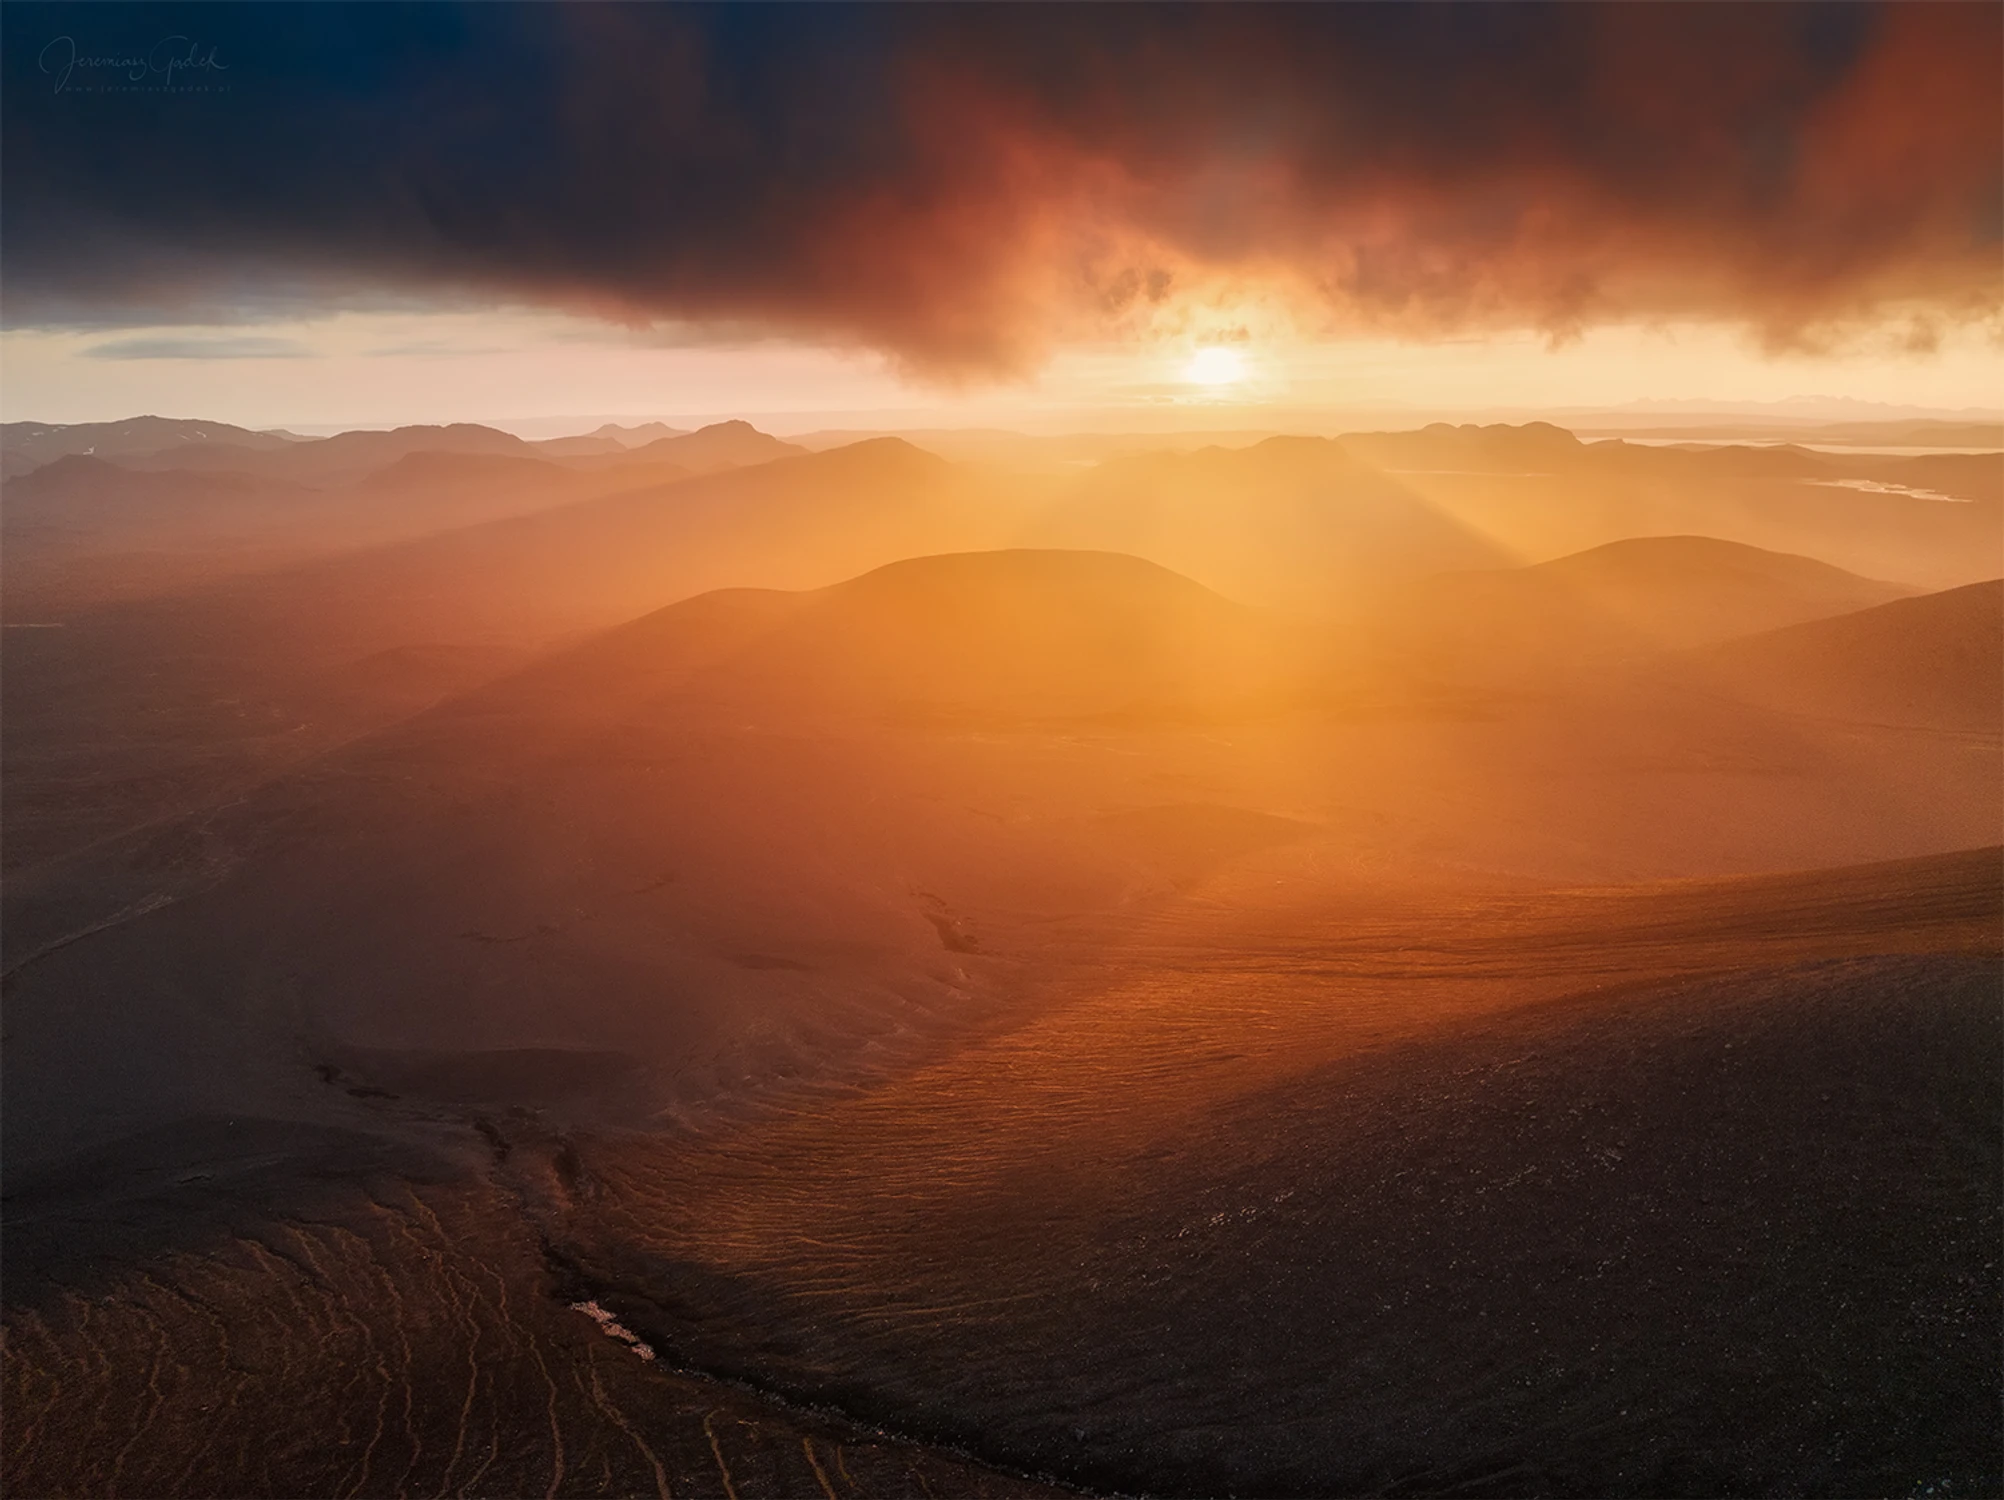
x: 1876, y: 209
x: 967, y: 190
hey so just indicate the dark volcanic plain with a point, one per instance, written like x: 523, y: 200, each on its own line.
x: 851, y: 975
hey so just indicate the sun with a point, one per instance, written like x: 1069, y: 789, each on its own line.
x: 1215, y: 367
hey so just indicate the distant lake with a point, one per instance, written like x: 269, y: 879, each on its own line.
x: 1837, y: 448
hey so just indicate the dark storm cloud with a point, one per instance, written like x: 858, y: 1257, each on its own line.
x: 961, y: 186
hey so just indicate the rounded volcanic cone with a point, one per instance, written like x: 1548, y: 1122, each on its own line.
x: 1020, y: 633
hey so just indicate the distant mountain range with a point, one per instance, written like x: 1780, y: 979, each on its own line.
x: 1301, y: 523
x: 159, y: 443
x: 85, y: 529
x: 27, y: 445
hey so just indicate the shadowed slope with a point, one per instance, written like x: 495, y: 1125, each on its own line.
x: 80, y: 498
x: 234, y: 675
x: 82, y: 532
x: 656, y: 817
x: 1936, y: 661
x: 1593, y: 1192
x: 427, y: 492
x: 1597, y: 1192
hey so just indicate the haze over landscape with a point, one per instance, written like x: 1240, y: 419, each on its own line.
x: 846, y: 750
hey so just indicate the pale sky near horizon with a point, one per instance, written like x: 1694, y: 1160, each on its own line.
x: 414, y: 366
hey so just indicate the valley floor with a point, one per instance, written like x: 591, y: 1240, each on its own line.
x: 1681, y: 1188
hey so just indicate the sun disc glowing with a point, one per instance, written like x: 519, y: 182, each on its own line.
x: 1215, y: 367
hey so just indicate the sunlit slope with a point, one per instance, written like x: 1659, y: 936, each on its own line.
x: 1934, y: 662
x: 244, y: 1308
x: 996, y: 635
x: 1008, y: 636
x: 1295, y: 523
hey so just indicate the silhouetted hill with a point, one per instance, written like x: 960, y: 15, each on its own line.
x: 1533, y: 447
x: 608, y: 439
x: 1965, y: 476
x: 639, y: 434
x: 722, y: 445
x: 577, y: 447
x: 1687, y: 589
x: 1538, y: 450
x: 345, y: 456
x: 1781, y: 461
x: 28, y: 445
x: 1018, y: 633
